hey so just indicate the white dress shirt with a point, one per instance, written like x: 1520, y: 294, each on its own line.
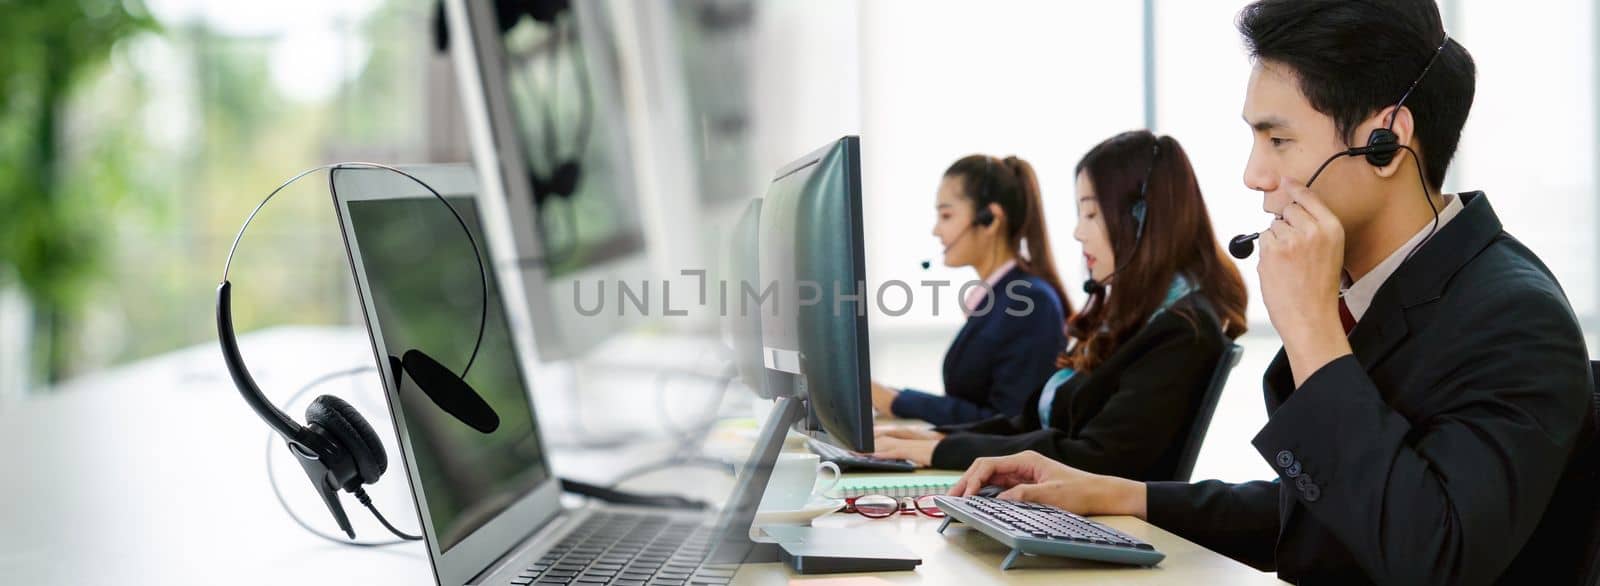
x: 975, y: 295
x: 1358, y: 296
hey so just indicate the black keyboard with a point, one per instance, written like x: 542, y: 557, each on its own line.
x: 627, y: 549
x: 1030, y: 528
x: 851, y: 461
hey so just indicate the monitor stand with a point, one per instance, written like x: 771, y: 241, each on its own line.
x: 807, y: 550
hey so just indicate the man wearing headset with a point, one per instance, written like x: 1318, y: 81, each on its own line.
x: 1430, y: 412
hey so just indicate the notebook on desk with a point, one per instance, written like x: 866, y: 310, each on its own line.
x: 899, y: 486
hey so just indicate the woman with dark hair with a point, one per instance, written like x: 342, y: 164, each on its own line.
x: 1163, y: 305
x: 991, y: 218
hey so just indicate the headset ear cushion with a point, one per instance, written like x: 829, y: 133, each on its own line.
x: 1382, y: 145
x: 564, y: 181
x: 1139, y: 208
x: 984, y: 217
x: 352, y: 430
x: 561, y: 183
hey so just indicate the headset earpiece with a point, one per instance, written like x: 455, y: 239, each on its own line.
x: 1139, y: 207
x: 349, y: 430
x: 1381, y: 147
x: 1138, y: 211
x: 1138, y: 219
x: 560, y: 184
x: 985, y: 217
x: 1383, y: 143
x: 564, y: 182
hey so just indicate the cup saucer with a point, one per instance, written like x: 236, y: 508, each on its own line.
x: 818, y: 507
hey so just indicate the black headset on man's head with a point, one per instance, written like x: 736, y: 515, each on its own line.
x: 1382, y: 146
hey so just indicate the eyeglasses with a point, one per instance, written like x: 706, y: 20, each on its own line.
x: 877, y: 506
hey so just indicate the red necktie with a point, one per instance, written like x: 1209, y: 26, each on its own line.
x: 1345, y: 318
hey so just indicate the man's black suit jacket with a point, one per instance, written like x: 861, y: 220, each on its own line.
x: 1428, y: 456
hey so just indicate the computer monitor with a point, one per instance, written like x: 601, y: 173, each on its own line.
x: 532, y: 98
x: 814, y: 327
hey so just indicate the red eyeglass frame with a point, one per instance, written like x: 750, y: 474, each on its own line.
x: 923, y: 505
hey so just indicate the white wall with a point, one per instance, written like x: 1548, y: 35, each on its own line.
x: 807, y: 80
x: 1530, y: 141
x: 944, y: 79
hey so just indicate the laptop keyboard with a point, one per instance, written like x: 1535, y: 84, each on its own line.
x: 628, y: 549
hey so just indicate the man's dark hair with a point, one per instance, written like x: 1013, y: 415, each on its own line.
x: 1354, y: 58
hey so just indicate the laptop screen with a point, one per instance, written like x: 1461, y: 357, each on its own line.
x: 426, y: 295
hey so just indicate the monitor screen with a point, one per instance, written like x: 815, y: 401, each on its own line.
x: 425, y: 290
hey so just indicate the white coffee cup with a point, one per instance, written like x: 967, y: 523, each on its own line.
x: 794, y: 481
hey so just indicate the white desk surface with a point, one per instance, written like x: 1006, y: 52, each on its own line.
x: 152, y: 474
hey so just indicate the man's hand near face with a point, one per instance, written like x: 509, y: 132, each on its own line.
x: 1302, y: 257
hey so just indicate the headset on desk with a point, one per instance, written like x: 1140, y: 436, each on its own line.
x: 337, y: 448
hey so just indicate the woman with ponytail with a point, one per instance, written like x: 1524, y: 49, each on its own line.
x: 990, y: 217
x: 1163, y: 306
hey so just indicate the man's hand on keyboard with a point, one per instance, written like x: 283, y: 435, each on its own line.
x: 1031, y: 477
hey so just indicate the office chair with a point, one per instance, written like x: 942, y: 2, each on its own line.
x: 1583, y: 472
x: 1208, y: 406
x: 1570, y: 529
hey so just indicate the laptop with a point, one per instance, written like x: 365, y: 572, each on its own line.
x: 489, y: 506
